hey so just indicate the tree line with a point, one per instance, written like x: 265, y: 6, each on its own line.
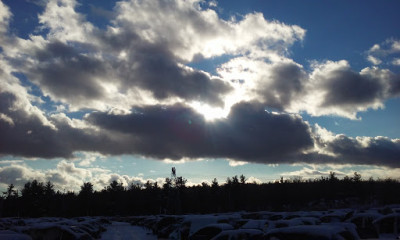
x: 38, y: 199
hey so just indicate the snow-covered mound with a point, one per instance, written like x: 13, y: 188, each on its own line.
x: 52, y: 228
x: 346, y: 224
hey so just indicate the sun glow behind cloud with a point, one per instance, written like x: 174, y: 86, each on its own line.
x: 210, y: 113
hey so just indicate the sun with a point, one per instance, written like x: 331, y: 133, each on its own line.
x: 210, y: 113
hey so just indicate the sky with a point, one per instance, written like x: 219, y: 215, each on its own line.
x: 125, y: 90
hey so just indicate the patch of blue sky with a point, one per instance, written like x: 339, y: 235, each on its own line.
x: 195, y: 171
x: 42, y: 164
x: 99, y: 11
x: 329, y: 25
x: 78, y: 114
x: 25, y: 17
x: 46, y: 104
x: 209, y: 65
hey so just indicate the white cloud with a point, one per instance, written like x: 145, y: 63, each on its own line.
x: 11, y: 86
x: 259, y: 70
x: 19, y: 174
x: 334, y: 88
x: 6, y: 119
x: 234, y: 163
x: 200, y: 31
x: 5, y: 16
x: 380, y: 173
x: 396, y: 62
x: 139, y: 60
x: 374, y: 60
x: 341, y: 149
x: 330, y: 88
x: 64, y: 23
x: 312, y: 173
x: 252, y: 179
x: 10, y: 162
x: 317, y: 171
x: 66, y: 176
x: 382, y: 53
x: 86, y: 159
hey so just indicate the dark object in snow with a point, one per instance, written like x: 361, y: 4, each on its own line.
x: 210, y: 231
x: 388, y: 224
x: 54, y: 232
x: 240, y: 234
x: 365, y: 226
x: 166, y: 226
x: 318, y: 232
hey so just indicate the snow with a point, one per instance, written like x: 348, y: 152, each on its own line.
x: 199, y: 221
x: 239, y: 234
x: 360, y: 223
x: 322, y: 232
x: 10, y: 235
x: 260, y: 224
x: 125, y: 231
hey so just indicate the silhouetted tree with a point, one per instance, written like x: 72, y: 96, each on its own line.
x: 332, y: 177
x: 242, y: 179
x: 49, y: 189
x: 86, y: 189
x: 235, y: 180
x: 134, y: 187
x: 180, y: 182
x: 175, y: 197
x: 228, y: 181
x: 214, y: 183
x: 115, y: 186
x: 11, y: 202
x: 10, y: 192
x: 32, y: 198
x: 167, y: 184
x: 356, y: 177
x: 148, y: 185
x: 86, y: 198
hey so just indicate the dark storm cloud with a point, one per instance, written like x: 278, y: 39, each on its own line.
x: 27, y: 136
x: 285, y: 83
x: 175, y: 132
x: 153, y: 67
x: 64, y: 72
x: 156, y: 71
x: 248, y: 133
x: 11, y: 174
x: 348, y: 87
x: 74, y: 73
x: 395, y: 86
x: 370, y: 151
x: 344, y: 87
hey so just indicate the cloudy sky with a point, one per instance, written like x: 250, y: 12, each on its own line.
x: 104, y: 90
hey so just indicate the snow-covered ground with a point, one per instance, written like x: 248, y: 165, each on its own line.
x: 347, y: 224
x: 125, y: 231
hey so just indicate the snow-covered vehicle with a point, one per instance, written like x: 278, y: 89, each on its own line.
x: 239, y: 234
x: 258, y: 224
x: 210, y: 231
x: 11, y: 235
x: 364, y: 223
x: 312, y: 232
x: 388, y: 225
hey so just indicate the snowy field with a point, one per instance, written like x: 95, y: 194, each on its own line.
x: 349, y: 224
